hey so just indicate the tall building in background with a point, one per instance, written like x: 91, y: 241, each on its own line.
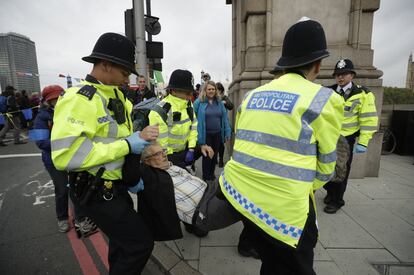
x: 409, y: 83
x: 18, y: 62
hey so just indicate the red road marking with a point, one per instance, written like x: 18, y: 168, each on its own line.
x: 101, y: 247
x: 85, y: 260
x: 82, y: 255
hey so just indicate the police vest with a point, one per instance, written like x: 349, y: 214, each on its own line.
x: 85, y: 135
x: 360, y: 114
x: 179, y: 130
x: 285, y: 147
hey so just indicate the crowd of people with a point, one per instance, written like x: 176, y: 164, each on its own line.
x: 17, y: 112
x: 285, y: 136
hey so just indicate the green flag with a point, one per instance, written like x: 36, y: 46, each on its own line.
x: 158, y: 77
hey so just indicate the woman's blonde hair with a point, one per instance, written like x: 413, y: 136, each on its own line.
x: 203, y: 92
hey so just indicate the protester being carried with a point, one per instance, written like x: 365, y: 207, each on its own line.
x: 171, y: 194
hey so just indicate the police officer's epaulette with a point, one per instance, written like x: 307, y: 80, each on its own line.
x: 88, y: 91
x: 363, y: 89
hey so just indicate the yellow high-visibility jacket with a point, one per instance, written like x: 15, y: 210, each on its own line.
x: 85, y: 136
x: 285, y: 147
x: 175, y: 135
x: 360, y: 114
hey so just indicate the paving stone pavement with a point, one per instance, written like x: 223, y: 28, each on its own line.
x: 372, y: 234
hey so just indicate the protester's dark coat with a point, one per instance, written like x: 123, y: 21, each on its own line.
x: 156, y: 202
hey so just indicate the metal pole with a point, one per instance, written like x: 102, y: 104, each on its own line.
x: 140, y: 49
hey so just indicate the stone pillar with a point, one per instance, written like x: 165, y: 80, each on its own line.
x: 259, y: 26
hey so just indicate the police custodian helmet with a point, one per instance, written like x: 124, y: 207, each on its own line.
x: 344, y: 66
x: 182, y: 80
x: 115, y: 48
x: 304, y: 42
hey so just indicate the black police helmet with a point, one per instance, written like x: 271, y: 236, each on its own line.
x: 276, y: 70
x: 115, y: 48
x: 304, y: 42
x: 182, y: 80
x: 344, y: 66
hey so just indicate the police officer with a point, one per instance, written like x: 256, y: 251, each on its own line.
x: 178, y: 129
x: 91, y: 136
x: 285, y: 145
x: 360, y: 122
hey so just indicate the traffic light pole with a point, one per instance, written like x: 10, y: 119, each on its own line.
x: 140, y: 49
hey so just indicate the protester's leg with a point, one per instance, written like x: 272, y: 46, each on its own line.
x: 60, y: 181
x: 215, y: 145
x: 206, y: 161
x: 130, y: 240
x: 17, y: 127
x: 5, y: 129
x: 221, y: 154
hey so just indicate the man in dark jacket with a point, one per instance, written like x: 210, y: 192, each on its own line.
x: 143, y: 93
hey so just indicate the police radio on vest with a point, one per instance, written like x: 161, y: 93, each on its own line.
x: 273, y: 101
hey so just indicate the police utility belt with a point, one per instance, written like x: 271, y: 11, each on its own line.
x: 85, y: 187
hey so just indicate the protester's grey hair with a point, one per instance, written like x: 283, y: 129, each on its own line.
x: 145, y: 153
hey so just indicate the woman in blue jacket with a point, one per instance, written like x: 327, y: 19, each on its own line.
x: 213, y: 125
x: 41, y: 134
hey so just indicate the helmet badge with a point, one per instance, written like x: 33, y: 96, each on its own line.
x: 341, y: 64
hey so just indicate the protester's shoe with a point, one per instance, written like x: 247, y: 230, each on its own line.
x: 20, y: 142
x: 63, y: 226
x: 327, y: 199
x: 85, y: 227
x: 3, y: 144
x: 221, y: 163
x: 194, y: 230
x: 248, y: 252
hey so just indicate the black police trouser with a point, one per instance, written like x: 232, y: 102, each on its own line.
x: 130, y: 240
x: 279, y: 258
x: 336, y: 190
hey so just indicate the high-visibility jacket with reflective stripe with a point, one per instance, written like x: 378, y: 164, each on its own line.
x: 360, y: 114
x: 285, y: 147
x: 85, y: 136
x: 174, y: 135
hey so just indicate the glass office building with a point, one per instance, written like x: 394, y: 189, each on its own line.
x: 18, y: 62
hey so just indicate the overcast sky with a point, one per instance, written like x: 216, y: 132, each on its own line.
x: 196, y: 34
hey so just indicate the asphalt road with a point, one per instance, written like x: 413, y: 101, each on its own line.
x: 29, y: 240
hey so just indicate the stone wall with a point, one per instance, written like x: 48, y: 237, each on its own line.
x: 258, y: 29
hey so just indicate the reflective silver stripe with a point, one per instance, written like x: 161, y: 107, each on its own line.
x: 327, y: 158
x: 277, y: 142
x: 371, y: 114
x: 181, y: 121
x: 324, y: 177
x: 113, y: 126
x: 275, y: 169
x: 178, y: 136
x: 62, y: 143
x: 266, y: 218
x: 193, y: 128
x: 313, y: 111
x: 163, y: 135
x: 349, y: 114
x: 354, y: 104
x: 105, y: 140
x: 368, y: 128
x: 350, y: 125
x: 177, y: 146
x: 110, y: 166
x: 80, y: 155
